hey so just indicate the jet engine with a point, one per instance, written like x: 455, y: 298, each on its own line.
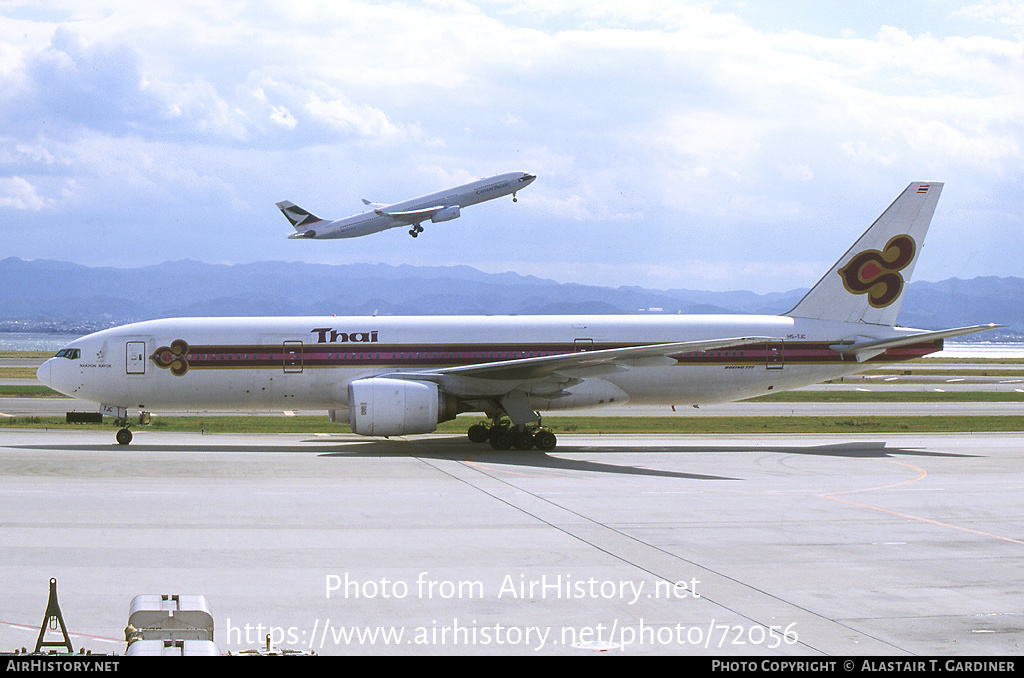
x: 393, y: 407
x: 447, y: 214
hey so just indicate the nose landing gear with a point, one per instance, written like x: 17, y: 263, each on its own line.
x: 124, y: 435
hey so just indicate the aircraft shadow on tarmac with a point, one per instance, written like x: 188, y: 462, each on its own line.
x: 866, y: 450
x: 534, y: 459
x: 461, y: 450
x: 456, y: 450
x: 440, y: 449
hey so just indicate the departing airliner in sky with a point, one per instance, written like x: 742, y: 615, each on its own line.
x: 437, y: 207
x: 394, y: 376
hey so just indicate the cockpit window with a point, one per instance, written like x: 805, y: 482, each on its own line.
x: 69, y: 353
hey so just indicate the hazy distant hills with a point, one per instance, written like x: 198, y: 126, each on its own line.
x: 56, y: 294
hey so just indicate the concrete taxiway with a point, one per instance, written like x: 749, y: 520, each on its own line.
x: 889, y: 544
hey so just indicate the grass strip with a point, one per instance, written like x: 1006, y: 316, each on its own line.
x: 28, y: 391
x: 582, y: 425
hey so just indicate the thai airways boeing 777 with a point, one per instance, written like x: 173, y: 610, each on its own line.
x: 437, y: 207
x: 393, y: 376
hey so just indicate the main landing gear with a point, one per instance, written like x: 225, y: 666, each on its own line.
x: 415, y: 230
x: 503, y: 435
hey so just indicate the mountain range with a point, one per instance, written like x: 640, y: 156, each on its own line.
x: 59, y: 295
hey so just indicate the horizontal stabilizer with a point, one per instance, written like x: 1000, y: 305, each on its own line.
x: 868, y: 349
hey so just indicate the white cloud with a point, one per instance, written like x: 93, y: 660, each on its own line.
x: 342, y: 114
x: 684, y: 126
x: 17, y: 193
x: 1009, y: 13
x: 283, y: 117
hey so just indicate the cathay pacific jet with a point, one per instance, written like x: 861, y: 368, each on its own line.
x: 436, y: 207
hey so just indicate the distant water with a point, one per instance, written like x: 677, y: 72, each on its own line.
x: 34, y: 341
x: 981, y: 349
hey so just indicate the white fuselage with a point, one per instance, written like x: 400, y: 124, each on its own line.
x: 307, y: 363
x: 463, y: 196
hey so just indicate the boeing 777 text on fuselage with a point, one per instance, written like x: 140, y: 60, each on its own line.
x: 436, y: 207
x: 393, y: 376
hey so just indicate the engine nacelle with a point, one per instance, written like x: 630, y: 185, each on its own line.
x: 447, y: 214
x: 393, y: 407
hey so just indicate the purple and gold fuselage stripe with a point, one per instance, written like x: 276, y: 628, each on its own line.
x: 353, y: 355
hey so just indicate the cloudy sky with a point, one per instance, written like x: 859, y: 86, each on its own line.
x: 733, y: 144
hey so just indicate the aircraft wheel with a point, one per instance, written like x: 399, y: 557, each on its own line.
x: 123, y: 437
x: 478, y: 433
x: 413, y: 232
x: 501, y: 439
x: 545, y: 440
x: 523, y: 441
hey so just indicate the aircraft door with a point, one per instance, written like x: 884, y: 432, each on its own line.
x: 135, y: 357
x: 774, y: 355
x: 580, y: 345
x: 292, y: 357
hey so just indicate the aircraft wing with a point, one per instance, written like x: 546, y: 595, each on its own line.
x: 566, y: 366
x: 868, y: 349
x: 412, y: 216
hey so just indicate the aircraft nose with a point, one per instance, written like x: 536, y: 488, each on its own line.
x: 43, y: 373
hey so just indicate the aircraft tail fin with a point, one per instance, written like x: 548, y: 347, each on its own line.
x: 867, y: 284
x: 296, y: 216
